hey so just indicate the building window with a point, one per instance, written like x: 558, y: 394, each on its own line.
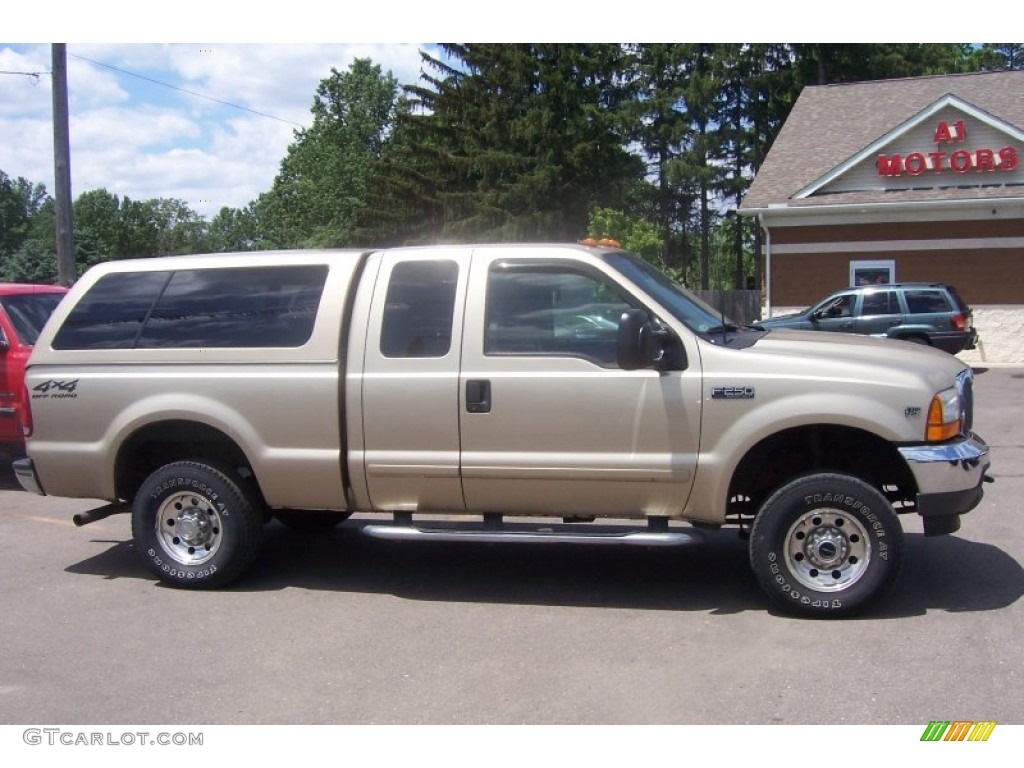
x: 872, y: 272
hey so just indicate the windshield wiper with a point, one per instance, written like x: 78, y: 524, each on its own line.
x: 724, y: 327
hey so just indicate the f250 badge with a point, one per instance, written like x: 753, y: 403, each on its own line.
x: 732, y: 393
x: 53, y: 389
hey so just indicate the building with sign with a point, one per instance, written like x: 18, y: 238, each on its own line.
x: 919, y: 179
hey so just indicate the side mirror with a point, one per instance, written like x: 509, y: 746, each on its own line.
x: 637, y: 346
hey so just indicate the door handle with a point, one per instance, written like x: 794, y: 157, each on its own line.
x: 478, y: 396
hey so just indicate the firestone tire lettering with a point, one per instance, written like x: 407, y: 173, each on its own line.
x: 826, y: 545
x: 220, y: 513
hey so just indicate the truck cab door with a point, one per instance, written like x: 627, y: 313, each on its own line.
x: 407, y: 384
x: 550, y: 423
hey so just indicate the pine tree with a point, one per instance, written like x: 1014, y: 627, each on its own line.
x: 511, y: 143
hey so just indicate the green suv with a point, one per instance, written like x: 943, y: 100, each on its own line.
x: 925, y: 313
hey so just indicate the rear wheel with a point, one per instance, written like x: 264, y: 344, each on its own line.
x: 196, y: 525
x: 826, y: 545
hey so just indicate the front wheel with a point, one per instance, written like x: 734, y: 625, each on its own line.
x: 196, y: 525
x: 826, y: 545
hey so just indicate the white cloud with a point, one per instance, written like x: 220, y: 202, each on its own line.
x: 260, y: 76
x: 138, y: 138
x: 274, y: 79
x: 133, y: 129
x: 26, y: 94
x: 26, y: 149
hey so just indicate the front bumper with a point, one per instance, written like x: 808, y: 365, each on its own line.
x: 949, y: 480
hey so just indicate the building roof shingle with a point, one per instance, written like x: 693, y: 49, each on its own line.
x: 830, y: 123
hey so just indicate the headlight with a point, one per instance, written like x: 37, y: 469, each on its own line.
x: 944, y: 416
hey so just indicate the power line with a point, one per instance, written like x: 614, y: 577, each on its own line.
x: 34, y: 75
x: 185, y: 90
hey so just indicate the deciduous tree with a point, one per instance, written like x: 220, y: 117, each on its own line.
x: 514, y: 142
x: 323, y: 178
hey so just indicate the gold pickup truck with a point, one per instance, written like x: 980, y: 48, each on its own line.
x: 473, y: 393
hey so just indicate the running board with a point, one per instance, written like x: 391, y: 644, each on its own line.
x: 545, y: 535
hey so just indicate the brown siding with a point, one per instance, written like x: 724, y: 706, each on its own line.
x: 920, y: 230
x: 981, y: 276
x: 800, y: 279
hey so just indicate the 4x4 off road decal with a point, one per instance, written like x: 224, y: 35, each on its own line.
x: 55, y: 389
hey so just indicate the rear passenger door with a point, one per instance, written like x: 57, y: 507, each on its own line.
x: 880, y: 311
x: 928, y: 309
x: 410, y: 382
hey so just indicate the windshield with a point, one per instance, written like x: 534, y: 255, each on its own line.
x: 684, y: 306
x: 29, y: 312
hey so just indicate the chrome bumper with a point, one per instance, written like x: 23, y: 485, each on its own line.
x: 949, y: 476
x: 25, y: 472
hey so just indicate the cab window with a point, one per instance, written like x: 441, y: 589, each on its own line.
x: 546, y: 310
x: 419, y: 309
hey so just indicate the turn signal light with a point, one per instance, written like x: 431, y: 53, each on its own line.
x: 943, y: 416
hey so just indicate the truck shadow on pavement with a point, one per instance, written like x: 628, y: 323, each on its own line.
x: 948, y: 574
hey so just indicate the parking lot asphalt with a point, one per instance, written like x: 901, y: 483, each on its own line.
x: 344, y: 629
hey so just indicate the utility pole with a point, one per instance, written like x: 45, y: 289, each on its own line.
x: 62, y: 167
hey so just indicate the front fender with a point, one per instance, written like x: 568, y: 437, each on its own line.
x: 730, y: 433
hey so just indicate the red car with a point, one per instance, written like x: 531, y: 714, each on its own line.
x: 24, y: 309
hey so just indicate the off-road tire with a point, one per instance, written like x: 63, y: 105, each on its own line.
x: 826, y: 545
x: 196, y: 525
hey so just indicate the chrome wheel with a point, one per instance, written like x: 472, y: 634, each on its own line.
x: 188, y: 528
x: 826, y: 545
x: 827, y: 550
x: 197, y: 525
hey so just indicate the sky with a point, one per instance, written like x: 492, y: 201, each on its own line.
x: 137, y: 138
x: 209, y: 122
